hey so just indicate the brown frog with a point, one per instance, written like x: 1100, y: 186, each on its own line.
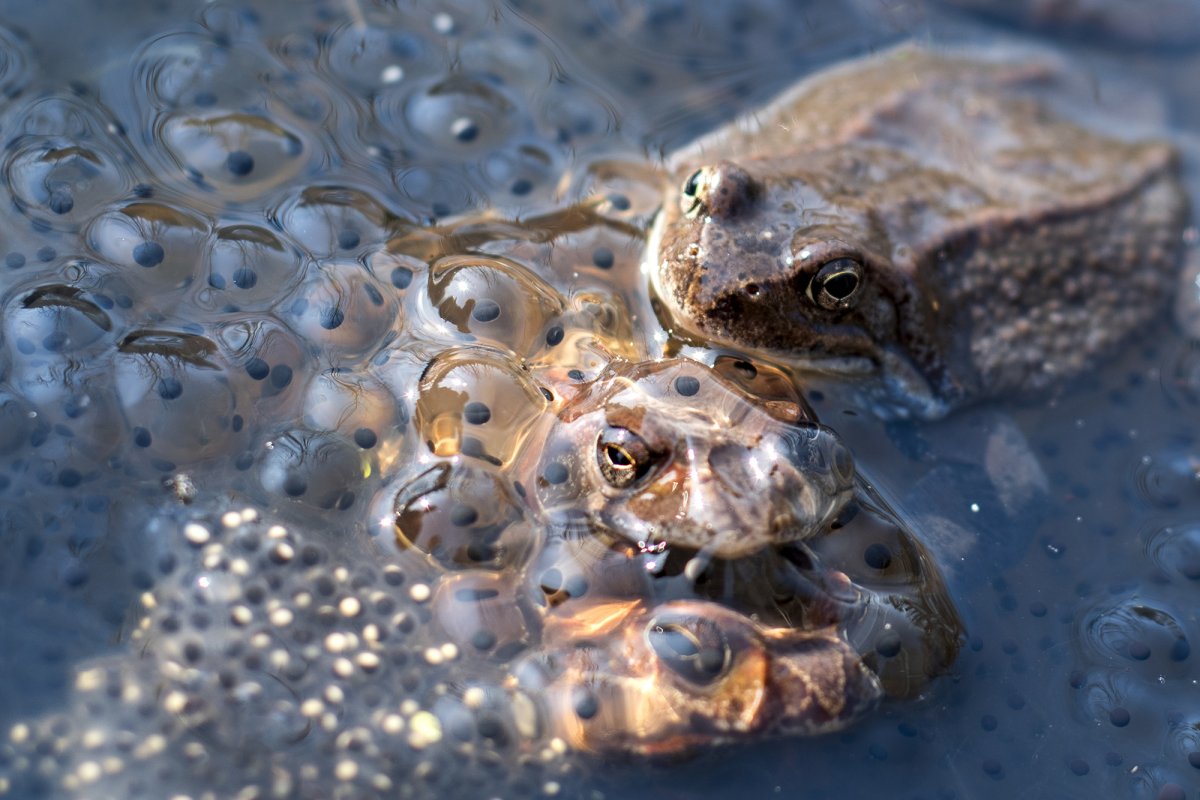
x: 621, y: 677
x: 669, y: 453
x: 928, y: 218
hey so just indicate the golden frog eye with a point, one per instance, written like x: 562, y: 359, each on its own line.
x: 693, y: 648
x: 836, y: 284
x: 689, y: 200
x: 623, y: 456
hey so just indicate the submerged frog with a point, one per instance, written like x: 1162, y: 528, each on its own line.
x: 926, y: 218
x: 623, y: 678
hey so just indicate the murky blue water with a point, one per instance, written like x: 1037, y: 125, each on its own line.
x: 196, y: 279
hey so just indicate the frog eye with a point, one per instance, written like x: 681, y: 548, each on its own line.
x: 623, y: 456
x: 836, y: 284
x: 693, y: 648
x: 690, y: 201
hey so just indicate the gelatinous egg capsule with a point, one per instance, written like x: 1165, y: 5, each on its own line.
x: 477, y: 403
x: 483, y: 612
x: 490, y: 300
x: 461, y: 516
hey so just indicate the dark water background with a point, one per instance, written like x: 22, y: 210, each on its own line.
x: 1079, y: 678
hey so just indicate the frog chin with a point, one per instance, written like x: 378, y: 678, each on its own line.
x: 889, y: 383
x: 835, y: 365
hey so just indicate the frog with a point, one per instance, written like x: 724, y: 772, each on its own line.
x: 670, y: 453
x: 929, y: 227
x: 708, y: 494
x: 626, y: 678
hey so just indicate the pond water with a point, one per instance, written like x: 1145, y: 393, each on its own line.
x: 231, y: 248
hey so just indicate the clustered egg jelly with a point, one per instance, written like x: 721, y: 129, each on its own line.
x: 207, y: 292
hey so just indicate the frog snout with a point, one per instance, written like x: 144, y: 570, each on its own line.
x: 818, y: 454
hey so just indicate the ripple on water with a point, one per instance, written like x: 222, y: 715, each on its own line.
x: 1175, y: 549
x: 14, y: 65
x: 1137, y: 635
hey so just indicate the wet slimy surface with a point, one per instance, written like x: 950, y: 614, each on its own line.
x: 281, y: 289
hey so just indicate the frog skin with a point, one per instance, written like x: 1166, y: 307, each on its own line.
x: 928, y: 220
x: 624, y: 678
x: 670, y: 452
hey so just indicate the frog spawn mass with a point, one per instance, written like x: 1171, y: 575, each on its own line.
x: 188, y: 309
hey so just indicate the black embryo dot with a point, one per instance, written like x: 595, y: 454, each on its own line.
x: 486, y: 310
x: 402, y: 277
x: 687, y: 385
x: 878, y: 556
x: 476, y: 413
x: 240, y: 163
x: 149, y: 254
x: 365, y: 438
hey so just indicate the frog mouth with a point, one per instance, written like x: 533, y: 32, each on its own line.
x: 838, y: 366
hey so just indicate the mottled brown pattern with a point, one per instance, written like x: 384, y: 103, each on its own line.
x: 773, y: 680
x: 1003, y: 245
x: 728, y: 477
